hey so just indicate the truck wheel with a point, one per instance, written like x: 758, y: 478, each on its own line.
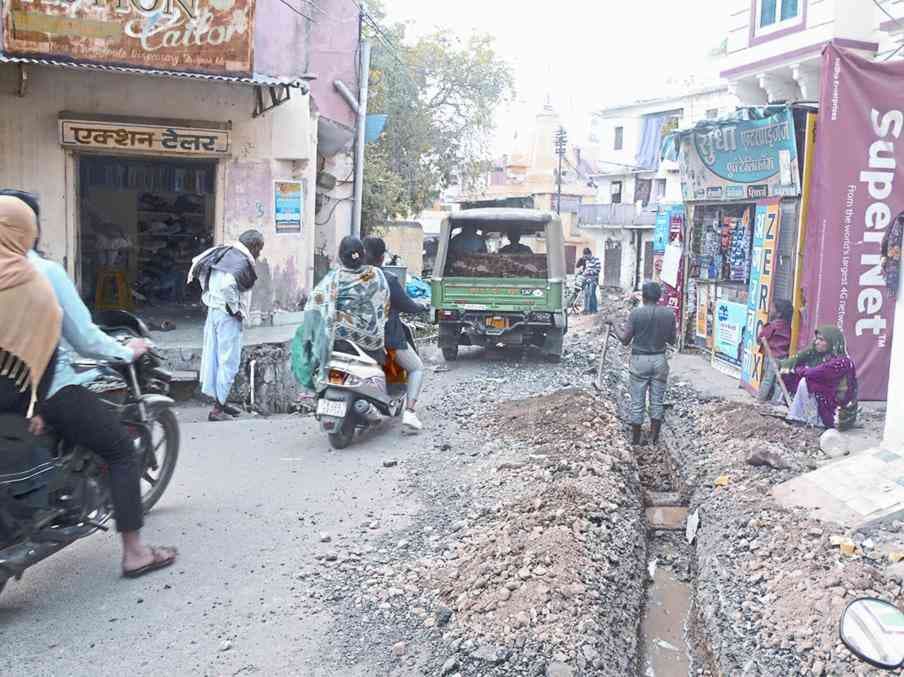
x: 450, y: 353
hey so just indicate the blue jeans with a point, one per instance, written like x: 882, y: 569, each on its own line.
x: 590, y: 307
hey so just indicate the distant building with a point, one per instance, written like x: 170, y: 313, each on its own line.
x: 527, y: 178
x: 631, y: 181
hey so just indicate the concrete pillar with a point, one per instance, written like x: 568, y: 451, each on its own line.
x: 894, y: 421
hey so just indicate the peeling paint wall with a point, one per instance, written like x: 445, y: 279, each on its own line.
x: 279, y: 145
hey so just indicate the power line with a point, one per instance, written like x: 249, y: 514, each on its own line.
x: 897, y: 23
x: 297, y: 11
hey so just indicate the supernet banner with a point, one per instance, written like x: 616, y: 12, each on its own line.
x: 857, y: 191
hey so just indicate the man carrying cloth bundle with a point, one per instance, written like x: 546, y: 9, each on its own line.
x: 226, y: 274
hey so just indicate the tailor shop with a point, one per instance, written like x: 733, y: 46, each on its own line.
x: 741, y: 182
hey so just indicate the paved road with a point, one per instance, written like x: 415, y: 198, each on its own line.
x: 246, y: 508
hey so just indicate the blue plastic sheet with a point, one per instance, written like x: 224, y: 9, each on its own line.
x: 417, y: 288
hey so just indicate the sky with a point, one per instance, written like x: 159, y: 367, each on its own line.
x: 583, y: 54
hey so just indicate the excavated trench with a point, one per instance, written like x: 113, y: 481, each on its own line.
x: 669, y: 642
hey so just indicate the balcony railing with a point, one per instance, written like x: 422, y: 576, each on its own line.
x: 616, y: 216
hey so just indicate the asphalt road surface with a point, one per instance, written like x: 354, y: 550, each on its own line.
x: 246, y: 508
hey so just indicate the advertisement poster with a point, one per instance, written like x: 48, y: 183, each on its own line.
x: 701, y: 327
x: 669, y: 236
x: 738, y: 250
x: 741, y: 160
x: 203, y: 36
x: 288, y: 206
x: 856, y: 193
x: 730, y: 331
x: 767, y: 225
x: 669, y: 221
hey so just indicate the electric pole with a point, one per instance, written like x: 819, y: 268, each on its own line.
x: 561, y: 146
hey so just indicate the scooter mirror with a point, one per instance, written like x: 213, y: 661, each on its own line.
x: 873, y: 630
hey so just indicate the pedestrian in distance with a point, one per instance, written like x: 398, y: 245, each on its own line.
x: 227, y: 276
x: 649, y: 330
x: 590, y: 268
x: 777, y: 335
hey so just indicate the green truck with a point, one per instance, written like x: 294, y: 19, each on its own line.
x: 498, y: 281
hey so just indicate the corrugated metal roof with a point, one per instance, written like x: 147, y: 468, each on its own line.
x: 261, y: 80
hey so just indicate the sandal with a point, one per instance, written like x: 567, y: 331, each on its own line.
x: 159, y: 561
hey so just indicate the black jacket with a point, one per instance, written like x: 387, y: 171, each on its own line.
x: 399, y: 302
x: 228, y: 260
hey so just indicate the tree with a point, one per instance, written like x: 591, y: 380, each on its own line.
x: 440, y: 94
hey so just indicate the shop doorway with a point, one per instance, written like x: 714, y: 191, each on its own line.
x: 141, y: 221
x: 612, y: 261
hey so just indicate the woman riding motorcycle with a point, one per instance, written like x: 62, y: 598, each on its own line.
x: 56, y: 397
x: 396, y: 338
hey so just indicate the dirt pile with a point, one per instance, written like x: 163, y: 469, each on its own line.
x: 771, y: 583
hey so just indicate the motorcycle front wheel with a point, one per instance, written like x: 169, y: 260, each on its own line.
x: 158, y: 462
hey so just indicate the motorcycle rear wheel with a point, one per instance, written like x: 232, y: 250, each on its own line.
x: 164, y: 472
x: 343, y: 438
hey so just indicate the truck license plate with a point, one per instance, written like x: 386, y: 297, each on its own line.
x: 330, y: 408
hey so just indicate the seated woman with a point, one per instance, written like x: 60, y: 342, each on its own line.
x: 824, y: 382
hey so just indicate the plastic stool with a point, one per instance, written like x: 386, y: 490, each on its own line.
x: 121, y: 297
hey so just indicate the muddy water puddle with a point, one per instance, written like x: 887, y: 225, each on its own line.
x: 664, y: 627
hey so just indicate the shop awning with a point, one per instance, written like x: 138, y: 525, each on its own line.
x: 254, y: 80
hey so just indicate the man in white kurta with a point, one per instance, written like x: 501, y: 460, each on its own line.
x: 226, y: 279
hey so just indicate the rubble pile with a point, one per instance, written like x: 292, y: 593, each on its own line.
x: 771, y: 583
x: 531, y: 563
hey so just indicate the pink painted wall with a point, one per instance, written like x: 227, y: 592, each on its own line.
x: 332, y: 51
x: 280, y: 39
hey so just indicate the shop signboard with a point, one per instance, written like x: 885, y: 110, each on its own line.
x: 130, y: 137
x: 202, y: 36
x: 741, y: 160
x: 288, y: 206
x: 767, y: 226
x: 730, y: 330
x: 856, y: 193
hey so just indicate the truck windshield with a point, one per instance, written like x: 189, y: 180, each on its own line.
x: 507, y: 254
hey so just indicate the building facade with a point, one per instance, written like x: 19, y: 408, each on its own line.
x: 774, y: 47
x: 146, y: 145
x: 632, y: 181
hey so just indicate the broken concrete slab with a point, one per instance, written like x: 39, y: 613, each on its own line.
x: 854, y: 492
x: 667, y: 518
x: 663, y: 498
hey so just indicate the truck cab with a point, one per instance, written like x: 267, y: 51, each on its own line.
x: 498, y: 281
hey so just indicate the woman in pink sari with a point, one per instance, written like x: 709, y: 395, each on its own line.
x: 823, y: 379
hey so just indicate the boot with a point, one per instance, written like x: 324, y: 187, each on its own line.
x: 636, y: 432
x: 655, y: 428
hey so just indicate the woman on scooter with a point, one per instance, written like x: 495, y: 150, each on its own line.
x: 396, y: 338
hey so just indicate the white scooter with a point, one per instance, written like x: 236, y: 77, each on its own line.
x: 359, y: 392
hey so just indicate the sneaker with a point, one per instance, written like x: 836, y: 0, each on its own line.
x: 411, y: 423
x: 217, y: 415
x: 232, y: 410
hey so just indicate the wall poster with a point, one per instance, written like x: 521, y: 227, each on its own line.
x: 730, y: 332
x: 288, y: 206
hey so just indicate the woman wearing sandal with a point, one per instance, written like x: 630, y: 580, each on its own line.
x: 58, y: 400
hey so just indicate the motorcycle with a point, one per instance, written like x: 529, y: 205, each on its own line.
x: 359, y: 392
x: 574, y: 304
x: 873, y: 630
x: 53, y: 494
